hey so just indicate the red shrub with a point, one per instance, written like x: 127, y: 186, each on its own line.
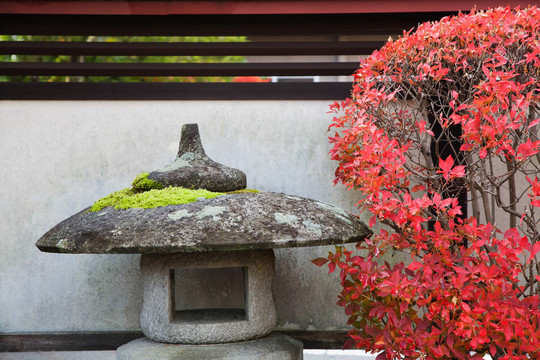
x: 441, y: 122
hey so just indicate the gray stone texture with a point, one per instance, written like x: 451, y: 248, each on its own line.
x: 194, y: 169
x: 273, y: 347
x: 159, y: 322
x: 229, y: 222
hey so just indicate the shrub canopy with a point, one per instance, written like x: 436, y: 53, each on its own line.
x: 442, y: 122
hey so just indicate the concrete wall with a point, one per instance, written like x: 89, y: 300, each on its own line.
x: 58, y: 157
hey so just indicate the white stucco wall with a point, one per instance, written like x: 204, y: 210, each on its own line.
x: 57, y: 157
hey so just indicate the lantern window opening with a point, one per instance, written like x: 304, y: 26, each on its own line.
x: 208, y: 294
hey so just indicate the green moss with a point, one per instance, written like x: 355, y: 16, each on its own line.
x: 126, y: 198
x: 145, y: 193
x: 242, y: 191
x: 143, y: 183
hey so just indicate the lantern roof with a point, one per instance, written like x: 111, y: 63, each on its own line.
x: 231, y: 221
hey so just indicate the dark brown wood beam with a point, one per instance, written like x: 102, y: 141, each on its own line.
x: 190, y: 48
x: 76, y: 341
x: 132, y: 7
x: 96, y: 341
x: 319, y: 339
x: 215, y: 25
x: 174, y: 91
x: 177, y: 69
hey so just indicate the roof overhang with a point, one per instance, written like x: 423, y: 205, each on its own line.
x: 244, y: 7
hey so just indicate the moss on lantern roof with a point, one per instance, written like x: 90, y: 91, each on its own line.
x: 146, y: 193
x: 126, y: 198
x: 143, y: 183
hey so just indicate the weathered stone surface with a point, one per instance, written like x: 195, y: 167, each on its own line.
x: 273, y: 347
x: 160, y: 322
x: 228, y: 222
x: 193, y: 168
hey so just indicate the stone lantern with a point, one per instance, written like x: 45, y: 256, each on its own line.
x: 225, y: 241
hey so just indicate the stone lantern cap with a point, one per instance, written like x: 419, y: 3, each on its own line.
x: 235, y: 221
x: 194, y: 169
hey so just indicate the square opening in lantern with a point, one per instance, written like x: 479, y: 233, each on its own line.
x: 208, y: 294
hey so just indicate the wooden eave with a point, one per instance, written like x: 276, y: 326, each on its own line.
x: 244, y: 7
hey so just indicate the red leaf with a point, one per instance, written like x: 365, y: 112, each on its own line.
x: 417, y: 188
x: 534, y: 251
x: 461, y: 107
x: 331, y: 267
x: 446, y: 166
x: 527, y: 149
x: 492, y: 349
x: 508, y: 332
x: 403, y: 306
x: 372, y: 221
x: 415, y: 265
x: 483, y: 153
x: 437, y: 351
x: 533, y: 123
x: 320, y: 261
x: 458, y: 171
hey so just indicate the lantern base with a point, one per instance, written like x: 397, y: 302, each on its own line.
x: 275, y: 346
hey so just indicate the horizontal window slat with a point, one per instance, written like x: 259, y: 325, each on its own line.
x: 215, y: 25
x: 173, y: 91
x: 189, y: 48
x: 180, y: 69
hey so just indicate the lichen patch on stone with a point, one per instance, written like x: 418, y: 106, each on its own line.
x: 63, y: 244
x: 340, y: 213
x: 179, y: 214
x: 104, y: 212
x: 292, y: 197
x: 211, y: 211
x: 312, y: 227
x: 287, y: 219
x: 182, y: 161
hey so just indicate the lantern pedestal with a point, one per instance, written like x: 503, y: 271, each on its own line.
x: 272, y: 347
